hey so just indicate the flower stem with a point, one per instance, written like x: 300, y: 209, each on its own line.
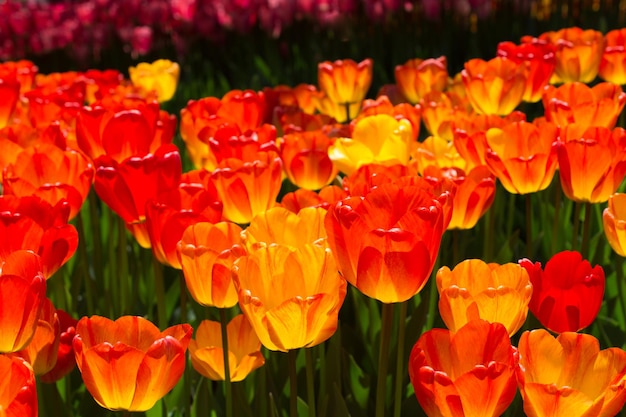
x: 310, y: 381
x: 293, y: 383
x: 577, y: 208
x: 383, y: 358
x: 529, y: 227
x: 557, y: 209
x: 399, y: 388
x: 584, y: 246
x: 84, y: 263
x: 122, y: 268
x: 227, y: 383
x: 159, y: 289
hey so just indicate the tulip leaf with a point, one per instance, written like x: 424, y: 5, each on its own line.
x: 338, y: 404
x: 360, y: 383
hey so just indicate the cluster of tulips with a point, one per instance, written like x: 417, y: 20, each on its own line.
x: 362, y: 202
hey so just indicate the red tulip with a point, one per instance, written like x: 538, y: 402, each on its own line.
x: 66, y: 360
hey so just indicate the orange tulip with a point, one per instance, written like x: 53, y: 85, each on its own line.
x: 494, y: 87
x: 538, y: 57
x: 521, y: 155
x: 614, y: 220
x: 341, y: 113
x: 66, y: 360
x: 613, y: 63
x: 244, y: 349
x: 569, y: 376
x: 417, y: 77
x: 478, y: 290
x: 248, y: 187
x: 206, y: 259
x: 42, y: 350
x: 364, y: 179
x: 100, y: 82
x: 345, y: 81
x: 592, y: 162
x: 474, y: 193
x: 24, y: 70
x: 301, y: 198
x: 470, y: 373
x: 578, y: 54
x: 306, y: 161
x: 386, y: 243
x: 128, y: 364
x: 291, y: 296
x: 383, y: 105
x: 22, y: 297
x: 439, y: 110
x: 439, y: 152
x: 9, y: 95
x: 18, y: 390
x: 60, y: 101
x: 161, y: 75
x: 599, y: 105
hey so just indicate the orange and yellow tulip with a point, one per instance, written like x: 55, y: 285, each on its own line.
x: 161, y: 75
x: 66, y: 360
x: 345, y: 81
x: 478, y: 290
x: 206, y: 259
x: 128, y: 364
x: 18, y: 390
x: 439, y: 110
x: 613, y: 63
x: 22, y: 297
x: 386, y: 243
x: 301, y: 198
x: 291, y: 296
x: 494, y: 87
x: 9, y: 96
x: 244, y: 349
x: 439, y: 152
x: 417, y: 77
x: 305, y: 159
x: 614, y: 220
x: 452, y: 379
x: 569, y: 376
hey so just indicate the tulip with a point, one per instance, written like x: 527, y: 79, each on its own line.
x: 229, y: 141
x: 578, y: 103
x: 567, y: 293
x: 591, y: 162
x: 578, y: 54
x: 161, y: 75
x: 24, y: 70
x: 494, y: 87
x: 383, y: 105
x: 439, y: 152
x: 291, y: 296
x: 614, y: 220
x: 345, y: 81
x: 342, y: 113
x: 376, y: 139
x: 128, y: 364
x: 244, y: 349
x: 206, y: 259
x: 364, y: 179
x: 613, y: 63
x: 48, y: 104
x: 22, y: 297
x: 569, y: 375
x: 9, y: 95
x: 439, y: 110
x: 51, y: 174
x: 418, y: 77
x: 452, y: 379
x: 33, y: 224
x: 99, y: 82
x: 521, y: 155
x: 386, y: 243
x: 18, y: 390
x: 41, y: 352
x: 301, y: 198
x: 478, y: 290
x: 66, y: 360
x: 306, y: 161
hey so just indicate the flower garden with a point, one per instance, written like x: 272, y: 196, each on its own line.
x: 312, y: 208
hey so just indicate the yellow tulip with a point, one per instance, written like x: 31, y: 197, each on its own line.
x: 160, y: 76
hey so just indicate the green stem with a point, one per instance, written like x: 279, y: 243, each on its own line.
x: 347, y: 112
x: 383, y: 358
x: 557, y: 209
x: 399, y: 388
x: 126, y: 413
x: 529, y: 227
x: 455, y: 247
x: 310, y: 381
x: 227, y: 382
x: 584, y: 247
x: 293, y: 383
x: 159, y: 289
x: 488, y: 236
x: 577, y: 208
x: 84, y: 264
x: 122, y: 267
x: 432, y: 300
x: 96, y: 233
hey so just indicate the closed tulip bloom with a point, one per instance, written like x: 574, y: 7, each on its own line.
x: 66, y: 360
x: 9, y: 96
x: 205, y: 255
x: 305, y: 159
x: 375, y: 139
x: 452, y: 379
x: 18, y: 390
x: 161, y: 75
x: 244, y: 349
x: 41, y: 352
x: 345, y: 81
x: 291, y: 296
x: 128, y: 364
x: 22, y: 297
x: 417, y: 77
x: 613, y: 63
x: 248, y: 187
x: 521, y: 155
x: 494, y: 87
x: 478, y: 290
x: 440, y: 110
x: 439, y: 152
x: 614, y: 220
x: 578, y: 103
x: 578, y: 54
x: 567, y: 293
x: 386, y: 243
x: 301, y: 198
x: 569, y: 376
x: 592, y: 162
